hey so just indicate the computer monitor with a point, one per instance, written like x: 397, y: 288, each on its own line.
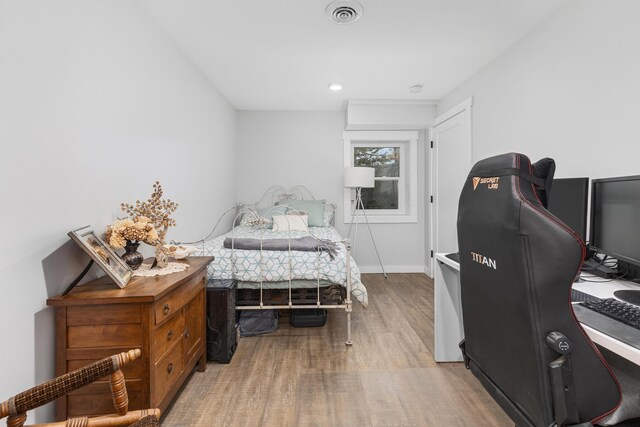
x: 615, y: 228
x: 568, y: 201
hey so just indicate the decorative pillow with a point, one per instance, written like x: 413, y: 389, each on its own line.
x: 290, y: 222
x: 315, y: 209
x: 242, y: 210
x: 246, y: 215
x: 328, y: 215
x: 268, y: 213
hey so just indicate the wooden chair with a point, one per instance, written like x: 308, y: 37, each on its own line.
x: 15, y: 409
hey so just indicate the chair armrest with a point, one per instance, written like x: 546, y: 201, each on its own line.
x: 141, y: 418
x: 565, y: 406
x: 148, y: 421
x: 64, y: 384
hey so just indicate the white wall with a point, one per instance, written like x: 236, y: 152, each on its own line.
x: 389, y: 114
x: 306, y: 148
x: 95, y: 105
x: 569, y: 90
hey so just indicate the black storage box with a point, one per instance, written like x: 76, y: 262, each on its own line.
x: 222, y: 328
x: 257, y: 322
x: 308, y: 317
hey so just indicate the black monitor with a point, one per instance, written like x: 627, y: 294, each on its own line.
x: 568, y: 201
x: 615, y: 224
x: 615, y: 218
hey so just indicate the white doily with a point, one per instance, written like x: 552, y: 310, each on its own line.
x: 145, y: 270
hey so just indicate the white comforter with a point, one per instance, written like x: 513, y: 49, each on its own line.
x: 277, y: 266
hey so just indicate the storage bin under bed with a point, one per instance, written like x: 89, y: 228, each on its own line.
x: 329, y: 295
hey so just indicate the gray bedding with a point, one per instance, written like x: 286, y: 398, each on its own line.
x: 305, y: 244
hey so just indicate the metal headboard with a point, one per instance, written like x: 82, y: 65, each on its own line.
x: 271, y: 196
x: 278, y: 194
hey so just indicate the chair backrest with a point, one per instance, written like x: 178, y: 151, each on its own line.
x: 16, y: 407
x: 517, y: 265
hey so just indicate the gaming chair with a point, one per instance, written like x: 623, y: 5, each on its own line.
x: 517, y: 264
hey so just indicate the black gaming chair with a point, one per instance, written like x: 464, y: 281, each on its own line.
x: 517, y: 264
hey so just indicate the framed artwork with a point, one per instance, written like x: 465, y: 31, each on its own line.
x: 102, y: 254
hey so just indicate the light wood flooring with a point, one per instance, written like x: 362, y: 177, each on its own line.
x: 308, y: 377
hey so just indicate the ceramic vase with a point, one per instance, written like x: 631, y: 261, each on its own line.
x: 132, y: 257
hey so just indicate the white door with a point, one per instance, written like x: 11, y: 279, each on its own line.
x: 451, y: 163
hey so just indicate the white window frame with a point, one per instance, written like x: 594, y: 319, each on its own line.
x: 407, y: 141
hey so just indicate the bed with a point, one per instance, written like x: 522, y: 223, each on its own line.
x: 281, y: 264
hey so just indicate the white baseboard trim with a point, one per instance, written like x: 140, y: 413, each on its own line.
x: 392, y: 268
x: 427, y: 271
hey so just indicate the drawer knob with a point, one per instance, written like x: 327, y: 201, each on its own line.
x: 166, y: 309
x: 186, y: 333
x: 170, y: 335
x: 170, y: 368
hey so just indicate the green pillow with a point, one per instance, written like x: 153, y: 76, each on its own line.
x: 314, y: 208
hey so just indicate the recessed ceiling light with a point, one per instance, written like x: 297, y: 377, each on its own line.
x: 335, y: 87
x: 416, y: 88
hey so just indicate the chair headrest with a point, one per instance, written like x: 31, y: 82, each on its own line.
x: 540, y: 173
x: 544, y: 169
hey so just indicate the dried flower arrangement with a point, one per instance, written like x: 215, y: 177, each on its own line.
x: 128, y: 231
x: 157, y: 211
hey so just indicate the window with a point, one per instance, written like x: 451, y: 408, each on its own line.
x: 393, y: 155
x: 385, y: 159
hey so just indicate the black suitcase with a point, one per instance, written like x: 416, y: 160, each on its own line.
x: 222, y: 328
x: 308, y: 317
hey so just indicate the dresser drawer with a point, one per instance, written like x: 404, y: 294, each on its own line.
x: 172, y: 303
x: 127, y: 335
x: 103, y: 314
x: 167, y: 334
x: 167, y: 371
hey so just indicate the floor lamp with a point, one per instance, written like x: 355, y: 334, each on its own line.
x: 359, y: 178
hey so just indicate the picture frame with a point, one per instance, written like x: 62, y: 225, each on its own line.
x: 102, y: 255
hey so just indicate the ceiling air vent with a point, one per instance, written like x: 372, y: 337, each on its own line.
x: 344, y: 12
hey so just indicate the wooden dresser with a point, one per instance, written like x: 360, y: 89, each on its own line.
x: 164, y: 316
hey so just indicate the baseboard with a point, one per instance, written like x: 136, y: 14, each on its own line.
x: 427, y: 271
x: 392, y: 268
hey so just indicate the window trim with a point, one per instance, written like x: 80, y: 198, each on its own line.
x: 408, y: 201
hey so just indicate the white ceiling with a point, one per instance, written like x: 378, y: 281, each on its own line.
x: 282, y: 54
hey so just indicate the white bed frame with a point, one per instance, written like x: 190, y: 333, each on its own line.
x: 269, y: 199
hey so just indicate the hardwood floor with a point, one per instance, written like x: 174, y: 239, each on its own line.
x: 308, y: 377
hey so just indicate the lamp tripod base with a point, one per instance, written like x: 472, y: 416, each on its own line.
x: 360, y: 205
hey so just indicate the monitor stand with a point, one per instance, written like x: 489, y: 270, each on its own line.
x: 630, y: 296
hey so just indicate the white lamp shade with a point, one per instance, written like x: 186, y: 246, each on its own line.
x: 359, y: 177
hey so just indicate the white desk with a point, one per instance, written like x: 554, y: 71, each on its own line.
x: 447, y: 319
x: 448, y: 326
x: 605, y: 290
